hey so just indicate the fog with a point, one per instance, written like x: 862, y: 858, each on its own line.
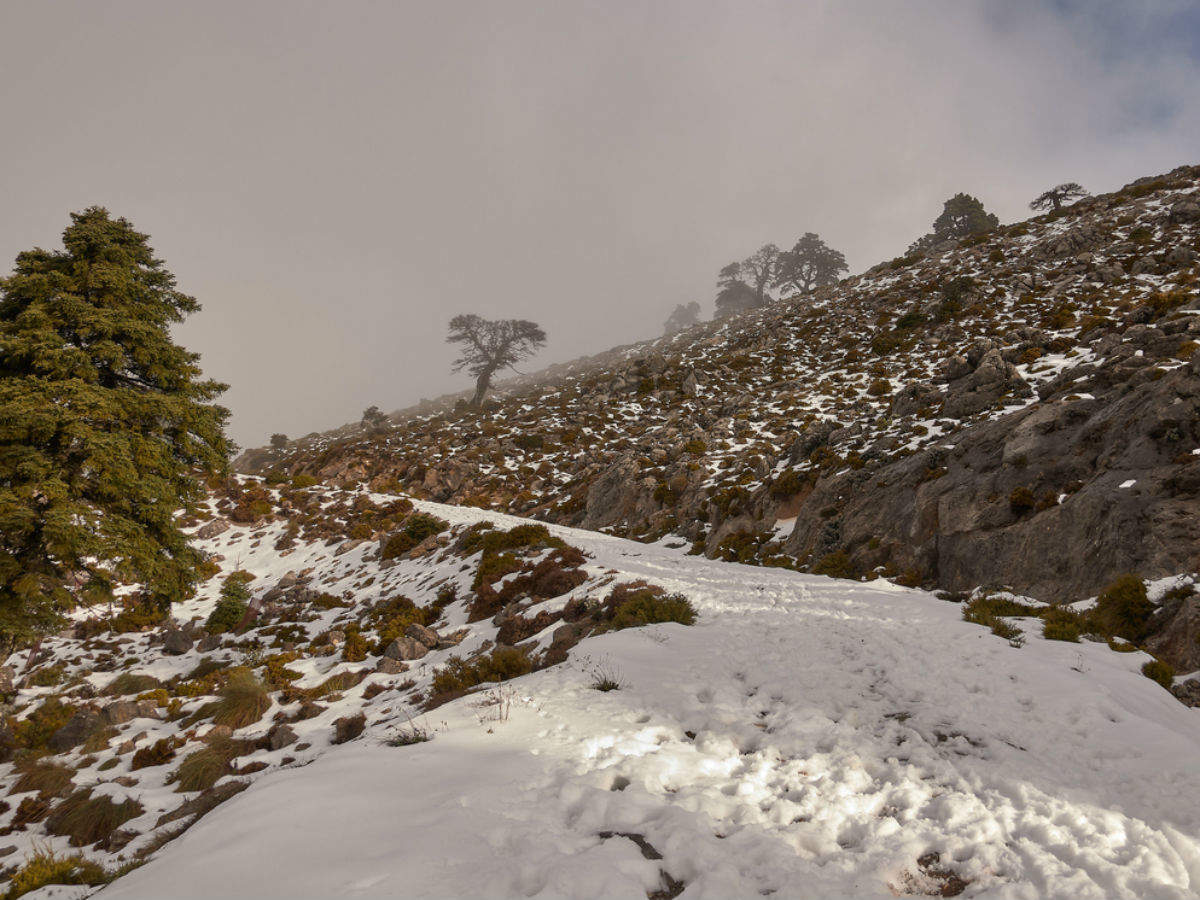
x: 333, y: 181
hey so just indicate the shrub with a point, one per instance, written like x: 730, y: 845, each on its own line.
x: 1021, y: 500
x: 459, y: 675
x: 138, y: 612
x: 1061, y: 625
x: 836, y: 565
x: 225, y: 616
x: 88, y: 820
x: 46, y: 676
x: 243, y: 702
x: 416, y: 528
x: 35, y: 729
x: 991, y: 611
x: 648, y: 608
x: 1157, y: 670
x: 1123, y: 608
x: 787, y: 484
x: 45, y: 867
x: 159, y: 753
x: 355, y: 647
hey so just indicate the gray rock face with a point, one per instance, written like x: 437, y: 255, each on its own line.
x: 945, y: 513
x: 1176, y: 637
x: 991, y: 379
x: 7, y: 676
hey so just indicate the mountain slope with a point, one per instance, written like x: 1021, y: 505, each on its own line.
x: 806, y: 738
x: 1039, y: 366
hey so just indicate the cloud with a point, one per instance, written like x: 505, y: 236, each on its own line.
x: 334, y: 181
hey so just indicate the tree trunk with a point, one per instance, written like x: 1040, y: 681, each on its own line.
x: 482, y: 383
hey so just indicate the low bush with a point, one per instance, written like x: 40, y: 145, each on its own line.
x: 836, y: 565
x: 34, y: 730
x: 459, y: 675
x: 1123, y: 609
x: 991, y: 611
x: 45, y: 867
x: 634, y: 604
x: 1157, y: 670
x: 416, y: 528
x: 1060, y: 624
x: 159, y: 753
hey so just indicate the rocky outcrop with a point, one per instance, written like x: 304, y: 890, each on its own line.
x: 1054, y: 500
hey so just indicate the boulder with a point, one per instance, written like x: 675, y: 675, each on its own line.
x: 1176, y: 636
x: 426, y: 636
x: 176, y: 642
x: 405, y: 648
x: 212, y: 529
x: 78, y: 729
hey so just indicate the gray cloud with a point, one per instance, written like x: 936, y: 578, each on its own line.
x: 333, y: 181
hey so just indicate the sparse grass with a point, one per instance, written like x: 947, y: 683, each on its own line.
x: 244, y: 700
x: 128, y: 683
x: 49, y: 779
x: 203, y: 768
x: 88, y: 820
x: 159, y: 753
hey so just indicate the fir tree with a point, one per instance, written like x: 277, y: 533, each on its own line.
x: 105, y: 427
x: 962, y: 216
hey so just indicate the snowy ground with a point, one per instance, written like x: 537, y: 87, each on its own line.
x: 808, y: 738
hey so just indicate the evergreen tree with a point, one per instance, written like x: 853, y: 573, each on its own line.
x: 809, y: 264
x: 105, y: 427
x: 683, y: 316
x: 374, y: 420
x: 490, y: 346
x: 962, y: 216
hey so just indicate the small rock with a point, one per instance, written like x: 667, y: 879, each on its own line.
x: 281, y: 736
x: 389, y: 666
x: 176, y: 642
x: 347, y: 728
x: 78, y: 729
x: 208, y: 643
x: 212, y: 529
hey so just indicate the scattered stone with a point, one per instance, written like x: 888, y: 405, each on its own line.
x: 280, y: 736
x: 176, y: 642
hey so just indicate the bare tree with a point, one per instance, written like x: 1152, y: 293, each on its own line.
x: 489, y: 346
x: 683, y: 316
x: 809, y: 264
x: 1057, y: 197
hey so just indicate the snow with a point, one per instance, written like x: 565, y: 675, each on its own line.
x: 1128, y: 483
x: 807, y: 738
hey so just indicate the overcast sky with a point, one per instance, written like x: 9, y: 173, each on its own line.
x: 334, y: 180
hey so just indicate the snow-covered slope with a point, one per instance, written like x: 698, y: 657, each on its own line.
x: 806, y: 738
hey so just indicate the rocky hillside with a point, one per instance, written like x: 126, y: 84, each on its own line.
x: 389, y: 698
x: 1019, y: 409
